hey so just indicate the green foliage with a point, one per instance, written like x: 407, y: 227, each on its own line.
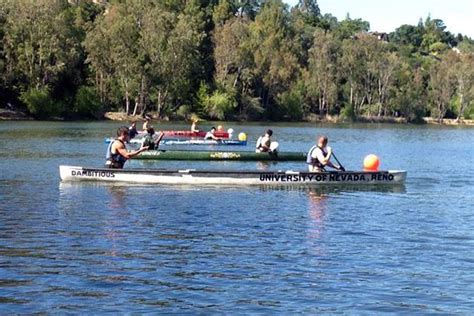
x: 87, y: 103
x: 219, y: 105
x: 290, y: 106
x: 469, y: 112
x: 251, y: 107
x: 201, y: 98
x: 184, y: 112
x: 223, y: 12
x: 222, y: 59
x: 348, y: 113
x: 39, y: 102
x: 349, y: 27
x: 407, y: 35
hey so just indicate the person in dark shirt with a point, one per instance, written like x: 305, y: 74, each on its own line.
x: 117, y: 153
x: 132, y: 130
x: 150, y: 141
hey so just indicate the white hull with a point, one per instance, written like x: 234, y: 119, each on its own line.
x: 211, y: 177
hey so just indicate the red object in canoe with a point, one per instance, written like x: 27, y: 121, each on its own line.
x: 195, y: 134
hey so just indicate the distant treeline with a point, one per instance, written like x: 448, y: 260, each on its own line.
x: 226, y: 59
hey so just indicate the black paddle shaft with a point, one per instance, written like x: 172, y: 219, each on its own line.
x: 339, y: 163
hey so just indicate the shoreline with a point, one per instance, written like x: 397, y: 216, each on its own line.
x: 9, y: 115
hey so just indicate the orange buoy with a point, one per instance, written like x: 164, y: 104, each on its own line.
x: 371, y: 163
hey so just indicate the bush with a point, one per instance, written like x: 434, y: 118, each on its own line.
x: 348, y: 113
x: 87, y: 103
x: 251, y: 107
x: 183, y: 112
x: 290, y: 106
x: 39, y: 102
x: 220, y: 105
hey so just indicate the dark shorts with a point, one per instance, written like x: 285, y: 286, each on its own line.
x: 113, y: 165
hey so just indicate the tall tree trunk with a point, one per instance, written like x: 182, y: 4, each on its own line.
x: 461, y: 107
x: 380, y: 98
x: 461, y: 99
x: 141, y: 96
x: 159, y: 102
x: 127, y: 96
x: 351, y: 95
x: 135, y: 107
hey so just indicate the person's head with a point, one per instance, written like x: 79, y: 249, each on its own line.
x: 220, y: 128
x: 122, y: 131
x: 322, y: 141
x: 133, y: 123
x: 213, y: 129
x: 269, y: 132
x: 150, y: 130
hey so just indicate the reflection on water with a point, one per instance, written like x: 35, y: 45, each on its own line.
x: 337, y: 188
x: 317, y: 211
x: 118, y: 195
x: 317, y: 207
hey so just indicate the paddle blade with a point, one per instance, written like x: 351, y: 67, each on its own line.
x: 273, y: 146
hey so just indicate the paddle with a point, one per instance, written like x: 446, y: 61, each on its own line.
x: 274, y: 146
x: 339, y: 163
x: 273, y: 150
x: 157, y: 142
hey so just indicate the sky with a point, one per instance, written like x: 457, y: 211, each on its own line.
x: 387, y: 15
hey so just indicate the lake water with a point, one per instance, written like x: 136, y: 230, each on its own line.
x: 89, y: 248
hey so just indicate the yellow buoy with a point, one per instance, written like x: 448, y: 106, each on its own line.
x: 242, y: 137
x: 371, y: 162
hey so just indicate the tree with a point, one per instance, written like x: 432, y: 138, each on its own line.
x: 407, y: 35
x: 171, y: 41
x: 234, y: 63
x: 276, y: 65
x: 348, y: 28
x: 353, y: 68
x: 441, y: 87
x: 410, y: 96
x: 464, y: 76
x: 40, y: 48
x: 435, y: 38
x: 323, y: 76
x: 309, y: 7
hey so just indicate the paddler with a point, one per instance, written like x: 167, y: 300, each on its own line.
x: 264, y: 142
x: 319, y: 155
x: 117, y: 153
x: 194, y: 128
x: 210, y: 134
x: 132, y: 130
x: 147, y: 123
x: 149, y: 139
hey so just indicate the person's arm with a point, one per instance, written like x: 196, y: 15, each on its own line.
x: 158, y: 140
x: 323, y: 159
x: 123, y: 151
x: 214, y: 137
x: 263, y: 144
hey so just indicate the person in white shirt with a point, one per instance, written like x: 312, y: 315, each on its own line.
x: 147, y: 123
x: 210, y: 134
x: 264, y: 142
x: 319, y: 156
